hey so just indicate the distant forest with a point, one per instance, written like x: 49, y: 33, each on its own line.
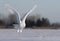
x: 31, y: 22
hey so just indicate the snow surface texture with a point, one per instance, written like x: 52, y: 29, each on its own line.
x: 30, y: 35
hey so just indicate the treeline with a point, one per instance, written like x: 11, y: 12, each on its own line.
x: 44, y: 22
x: 31, y: 21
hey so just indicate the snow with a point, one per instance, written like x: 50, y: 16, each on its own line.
x: 30, y: 35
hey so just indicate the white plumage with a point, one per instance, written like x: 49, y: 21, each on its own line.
x: 22, y: 23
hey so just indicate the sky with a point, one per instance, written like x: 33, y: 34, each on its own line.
x: 45, y: 8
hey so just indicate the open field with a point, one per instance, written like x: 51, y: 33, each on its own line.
x: 34, y: 27
x: 30, y: 35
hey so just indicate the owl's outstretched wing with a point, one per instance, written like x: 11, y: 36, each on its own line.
x: 29, y: 12
x: 12, y: 11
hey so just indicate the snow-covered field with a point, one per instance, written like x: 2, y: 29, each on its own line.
x: 30, y: 35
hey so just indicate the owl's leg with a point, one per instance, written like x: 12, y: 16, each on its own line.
x: 18, y: 30
x: 21, y: 29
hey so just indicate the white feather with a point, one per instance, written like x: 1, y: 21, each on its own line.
x: 22, y: 23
